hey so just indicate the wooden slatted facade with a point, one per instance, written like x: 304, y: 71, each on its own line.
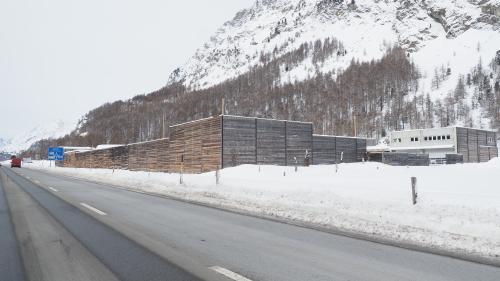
x: 196, y: 147
x: 333, y: 149
x: 224, y: 141
x: 324, y: 150
x: 271, y: 142
x: 239, y: 141
x: 476, y: 145
x: 299, y: 141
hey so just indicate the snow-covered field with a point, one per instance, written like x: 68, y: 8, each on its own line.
x: 458, y: 205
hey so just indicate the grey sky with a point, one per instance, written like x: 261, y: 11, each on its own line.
x: 61, y: 58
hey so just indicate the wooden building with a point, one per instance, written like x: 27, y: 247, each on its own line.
x: 225, y: 141
x: 248, y: 140
x: 334, y: 149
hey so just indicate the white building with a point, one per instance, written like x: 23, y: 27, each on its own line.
x: 474, y: 144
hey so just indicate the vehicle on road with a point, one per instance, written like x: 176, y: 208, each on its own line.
x: 15, y: 162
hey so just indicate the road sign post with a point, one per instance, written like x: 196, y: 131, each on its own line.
x: 55, y: 154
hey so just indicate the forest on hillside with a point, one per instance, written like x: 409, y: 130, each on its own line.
x: 367, y: 99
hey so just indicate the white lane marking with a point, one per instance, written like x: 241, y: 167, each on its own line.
x: 93, y: 209
x: 229, y: 273
x: 28, y: 177
x: 36, y: 181
x: 53, y: 189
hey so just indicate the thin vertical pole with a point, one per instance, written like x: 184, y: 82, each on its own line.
x: 414, y: 190
x: 355, y: 127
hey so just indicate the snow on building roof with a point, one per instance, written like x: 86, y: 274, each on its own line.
x: 76, y: 147
x: 380, y: 147
x: 107, y: 146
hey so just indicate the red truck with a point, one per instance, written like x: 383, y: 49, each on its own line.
x: 15, y: 162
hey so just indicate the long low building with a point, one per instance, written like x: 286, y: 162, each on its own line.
x: 226, y: 141
x: 475, y: 145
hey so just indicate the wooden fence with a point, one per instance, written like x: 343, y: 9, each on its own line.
x: 225, y: 141
x: 333, y: 149
x: 265, y: 141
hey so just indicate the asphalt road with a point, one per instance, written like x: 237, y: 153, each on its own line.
x: 10, y: 261
x: 195, y: 237
x: 59, y: 241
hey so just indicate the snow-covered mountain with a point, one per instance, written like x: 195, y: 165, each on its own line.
x: 452, y: 34
x: 48, y: 130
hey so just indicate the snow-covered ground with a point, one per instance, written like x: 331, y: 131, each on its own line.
x: 458, y: 205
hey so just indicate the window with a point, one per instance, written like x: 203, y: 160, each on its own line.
x: 434, y: 138
x: 425, y: 138
x: 412, y: 139
x: 439, y: 137
x: 444, y: 137
x: 416, y: 139
x: 448, y: 137
x: 399, y: 140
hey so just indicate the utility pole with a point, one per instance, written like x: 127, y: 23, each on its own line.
x: 355, y: 126
x: 222, y: 107
x: 163, y: 125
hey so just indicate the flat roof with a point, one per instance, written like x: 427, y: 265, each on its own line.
x: 437, y: 128
x: 261, y: 118
x: 193, y: 121
x: 334, y: 136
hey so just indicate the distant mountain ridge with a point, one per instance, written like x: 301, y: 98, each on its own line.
x: 50, y: 130
x: 366, y: 28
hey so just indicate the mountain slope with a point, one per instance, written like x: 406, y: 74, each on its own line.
x: 51, y: 130
x: 366, y: 28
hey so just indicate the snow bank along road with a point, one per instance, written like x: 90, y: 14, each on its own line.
x: 458, y: 210
x: 111, y: 223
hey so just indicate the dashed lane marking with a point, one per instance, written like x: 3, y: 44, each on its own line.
x: 53, y: 189
x: 228, y: 273
x: 93, y: 209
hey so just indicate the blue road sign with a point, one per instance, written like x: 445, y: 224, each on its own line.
x: 56, y: 153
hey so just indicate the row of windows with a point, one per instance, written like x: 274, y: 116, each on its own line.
x: 428, y: 138
x: 433, y: 138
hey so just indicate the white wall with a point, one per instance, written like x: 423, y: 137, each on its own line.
x: 402, y: 139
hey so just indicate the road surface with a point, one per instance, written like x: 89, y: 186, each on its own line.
x: 125, y: 234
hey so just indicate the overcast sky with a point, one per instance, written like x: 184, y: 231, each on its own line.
x: 61, y: 58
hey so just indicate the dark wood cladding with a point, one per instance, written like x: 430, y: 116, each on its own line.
x: 239, y: 141
x: 476, y: 145
x: 324, y: 151
x: 249, y: 140
x: 405, y: 159
x: 271, y: 142
x: 298, y: 142
x: 361, y: 149
x: 196, y: 147
x: 333, y: 149
x: 454, y: 158
x: 462, y: 143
